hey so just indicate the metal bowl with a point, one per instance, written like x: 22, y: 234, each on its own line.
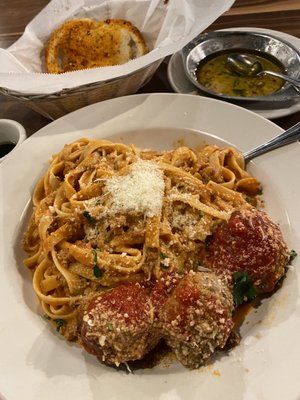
x: 207, y: 44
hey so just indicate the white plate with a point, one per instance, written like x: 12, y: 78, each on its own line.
x: 181, y: 84
x: 35, y: 363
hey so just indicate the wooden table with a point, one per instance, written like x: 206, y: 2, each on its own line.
x: 282, y: 15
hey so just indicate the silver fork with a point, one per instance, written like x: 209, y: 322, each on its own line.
x: 289, y: 136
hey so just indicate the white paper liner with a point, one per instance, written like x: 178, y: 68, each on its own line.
x: 166, y: 27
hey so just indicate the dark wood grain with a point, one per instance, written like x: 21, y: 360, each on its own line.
x: 258, y: 6
x: 289, y: 21
x: 15, y: 15
x: 280, y: 15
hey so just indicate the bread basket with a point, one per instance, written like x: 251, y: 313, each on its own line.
x: 57, y: 104
x: 166, y: 26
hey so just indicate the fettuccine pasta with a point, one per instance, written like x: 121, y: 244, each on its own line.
x: 105, y: 213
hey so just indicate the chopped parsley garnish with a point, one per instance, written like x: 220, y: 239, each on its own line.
x: 243, y: 289
x: 59, y: 324
x: 293, y: 255
x: 260, y: 191
x: 94, y: 252
x: 162, y: 255
x: 181, y: 270
x: 88, y: 216
x: 97, y: 271
x: 109, y: 327
x: 46, y: 316
x: 201, y: 214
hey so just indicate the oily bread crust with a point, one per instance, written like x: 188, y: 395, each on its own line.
x: 84, y: 43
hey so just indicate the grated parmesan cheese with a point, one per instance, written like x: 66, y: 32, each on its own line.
x: 165, y: 262
x: 140, y: 191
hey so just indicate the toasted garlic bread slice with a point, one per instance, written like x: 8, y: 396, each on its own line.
x: 84, y: 43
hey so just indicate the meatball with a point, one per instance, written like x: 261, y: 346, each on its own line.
x: 161, y: 290
x: 252, y: 243
x: 118, y: 324
x: 197, y: 317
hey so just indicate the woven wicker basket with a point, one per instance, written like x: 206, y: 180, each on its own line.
x: 57, y: 104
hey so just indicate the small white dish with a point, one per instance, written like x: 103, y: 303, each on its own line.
x: 12, y: 134
x: 181, y: 84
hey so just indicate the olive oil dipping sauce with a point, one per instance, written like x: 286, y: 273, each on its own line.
x: 214, y: 74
